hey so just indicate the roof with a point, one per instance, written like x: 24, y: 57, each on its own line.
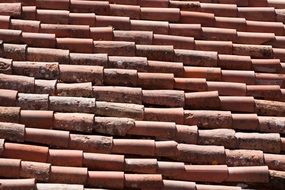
x: 142, y: 94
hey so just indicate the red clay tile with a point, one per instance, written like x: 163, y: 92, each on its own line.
x: 44, y: 70
x: 137, y: 165
x: 45, y: 86
x: 158, y: 27
x: 117, y: 22
x: 231, y: 23
x: 26, y: 152
x: 205, y: 19
x: 97, y: 7
x: 79, y: 122
x: 166, y: 149
x: 72, y: 175
x: 66, y: 30
x: 9, y: 114
x: 12, y: 131
x: 206, y: 173
x: 131, y: 11
x: 269, y: 27
x: 267, y: 65
x: 88, y: 59
x: 112, y: 109
x: 75, y: 44
x: 37, y: 118
x: 17, y: 52
x: 10, y: 168
x: 6, y: 66
x: 33, y: 101
x: 170, y: 169
x: 220, y: 9
x: 48, y: 54
x: 275, y: 162
x: 154, y: 3
x: 257, y: 13
x: 266, y: 107
x: 182, y: 185
x: 209, y: 73
x: 185, y: 5
x: 120, y: 77
x: 95, y: 161
x: 37, y: 170
x: 165, y: 67
x: 190, y: 30
x: 208, y: 119
x: 268, y: 78
x: 282, y: 144
x: 139, y: 37
x: 197, y: 154
x: 117, y: 48
x: 202, y: 100
x: 72, y: 104
x: 219, y: 46
x: 278, y: 42
x: 101, y: 33
x: 271, y: 124
x: 53, y: 16
x: 263, y: 91
x: 178, y: 42
x: 66, y: 157
x: 196, y: 58
x: 168, y: 98
x: 54, y: 4
x: 210, y: 33
x: 216, y: 187
x: 227, y: 88
x: 143, y: 181
x: 102, y: 179
x: 164, y: 14
x: 220, y: 137
x: 190, y: 84
x: 12, y: 36
x: 234, y: 62
x: 17, y: 82
x: 267, y: 142
x: 255, y: 38
x: 255, y: 51
x: 19, y: 184
x: 247, y: 77
x: 156, y: 80
x: 8, y: 97
x: 90, y: 143
x: 80, y: 73
x: 25, y: 25
x: 29, y: 12
x: 124, y: 62
x: 186, y: 134
x: 244, y: 158
x: 118, y: 94
x: 82, y: 19
x: 164, y: 114
x: 59, y: 186
x: 238, y: 104
x: 113, y: 125
x: 155, y: 52
x: 249, y: 174
x: 160, y: 130
x: 39, y: 39
x: 134, y: 146
x: 50, y: 137
x: 245, y: 122
x: 74, y: 89
x: 11, y: 9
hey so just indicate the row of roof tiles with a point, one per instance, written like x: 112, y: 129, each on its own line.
x: 161, y: 130
x: 171, y: 13
x: 98, y: 162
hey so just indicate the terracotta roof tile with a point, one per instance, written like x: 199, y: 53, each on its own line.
x: 151, y: 94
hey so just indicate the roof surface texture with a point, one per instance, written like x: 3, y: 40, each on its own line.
x: 142, y: 94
